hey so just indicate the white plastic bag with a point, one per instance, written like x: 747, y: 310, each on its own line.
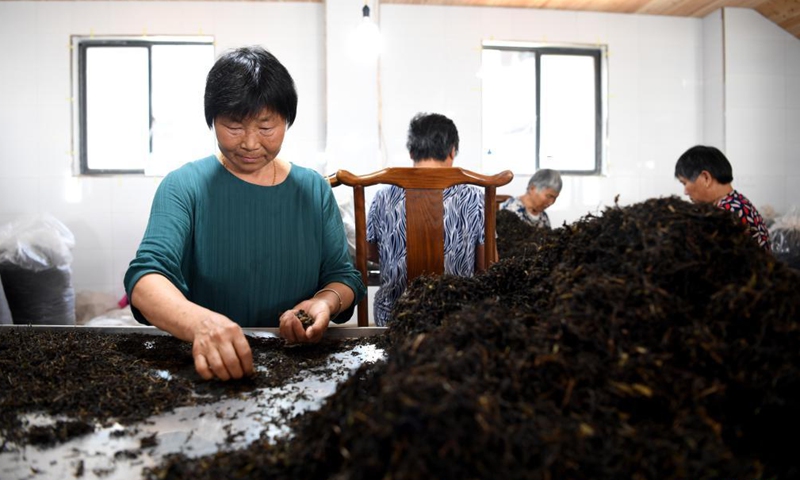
x: 35, y: 259
x: 36, y: 243
x: 785, y: 237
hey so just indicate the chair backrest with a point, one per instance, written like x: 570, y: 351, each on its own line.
x: 332, y: 180
x: 499, y: 199
x: 424, y: 189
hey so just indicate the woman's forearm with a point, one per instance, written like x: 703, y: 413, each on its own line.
x: 164, y: 306
x: 344, y: 293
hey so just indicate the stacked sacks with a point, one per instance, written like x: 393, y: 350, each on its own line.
x: 35, y: 267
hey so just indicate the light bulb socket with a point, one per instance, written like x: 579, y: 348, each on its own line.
x: 365, y: 11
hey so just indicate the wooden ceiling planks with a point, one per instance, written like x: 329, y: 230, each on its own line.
x: 693, y: 8
x: 679, y: 8
x: 785, y: 13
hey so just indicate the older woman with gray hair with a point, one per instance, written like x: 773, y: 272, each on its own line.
x: 543, y: 190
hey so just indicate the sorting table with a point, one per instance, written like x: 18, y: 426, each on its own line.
x: 228, y: 424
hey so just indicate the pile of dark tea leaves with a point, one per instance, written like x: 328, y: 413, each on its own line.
x: 656, y: 341
x: 95, y: 378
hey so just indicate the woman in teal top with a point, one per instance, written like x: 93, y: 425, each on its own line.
x: 243, y: 238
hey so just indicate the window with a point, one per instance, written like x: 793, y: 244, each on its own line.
x: 140, y: 103
x: 542, y: 108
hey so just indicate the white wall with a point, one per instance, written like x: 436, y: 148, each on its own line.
x: 762, y: 109
x: 431, y: 57
x: 714, y: 80
x: 351, y: 78
x: 433, y: 54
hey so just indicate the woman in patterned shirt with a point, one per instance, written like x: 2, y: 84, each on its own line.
x: 543, y: 190
x: 432, y: 143
x: 706, y: 175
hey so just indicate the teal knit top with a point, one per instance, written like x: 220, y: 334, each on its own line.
x: 246, y: 251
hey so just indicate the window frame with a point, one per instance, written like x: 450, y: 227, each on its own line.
x: 79, y: 45
x: 599, y: 55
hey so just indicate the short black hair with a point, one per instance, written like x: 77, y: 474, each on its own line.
x: 246, y: 80
x: 431, y: 135
x: 701, y: 157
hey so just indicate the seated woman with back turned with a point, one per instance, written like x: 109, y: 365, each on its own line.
x: 706, y: 175
x: 243, y: 238
x: 543, y: 190
x: 432, y: 143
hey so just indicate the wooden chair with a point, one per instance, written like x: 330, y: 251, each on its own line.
x: 424, y: 215
x: 332, y: 180
x: 499, y: 199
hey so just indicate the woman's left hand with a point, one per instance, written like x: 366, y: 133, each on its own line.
x: 292, y: 330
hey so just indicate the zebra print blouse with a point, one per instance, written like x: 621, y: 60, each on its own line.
x: 386, y: 227
x: 514, y: 204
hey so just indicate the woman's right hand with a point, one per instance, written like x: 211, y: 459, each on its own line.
x: 220, y: 348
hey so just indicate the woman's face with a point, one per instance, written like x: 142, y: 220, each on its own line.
x: 701, y: 189
x: 252, y: 143
x: 542, y: 198
x: 692, y: 189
